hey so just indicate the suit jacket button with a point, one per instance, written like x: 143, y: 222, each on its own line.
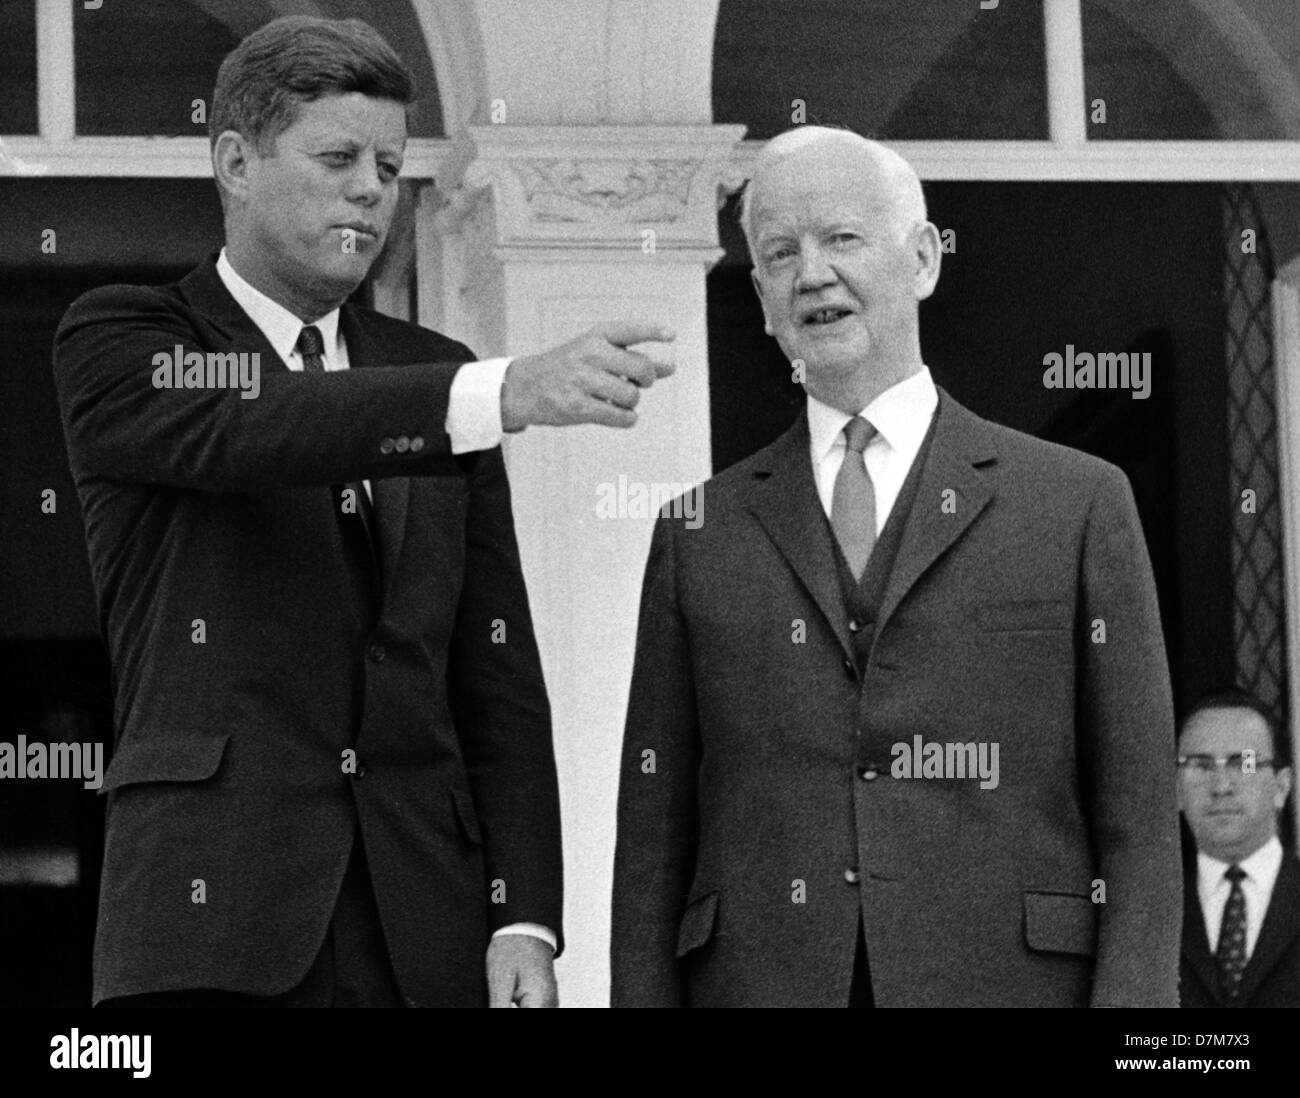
x: 417, y: 444
x: 402, y: 444
x: 386, y: 447
x: 849, y: 669
x: 377, y: 653
x: 852, y: 876
x: 869, y: 773
x: 855, y: 626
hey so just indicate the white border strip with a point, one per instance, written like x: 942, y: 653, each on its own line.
x: 1286, y: 351
x: 170, y: 157
x: 1067, y: 100
x: 56, y: 98
x: 1095, y: 161
x: 974, y: 161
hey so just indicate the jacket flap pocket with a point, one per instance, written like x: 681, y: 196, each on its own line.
x: 1060, y: 922
x: 697, y: 923
x: 1023, y: 614
x: 464, y: 805
x: 165, y: 759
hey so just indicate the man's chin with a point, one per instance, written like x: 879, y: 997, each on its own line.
x: 342, y: 274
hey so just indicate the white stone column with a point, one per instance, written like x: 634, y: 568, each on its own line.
x: 547, y: 231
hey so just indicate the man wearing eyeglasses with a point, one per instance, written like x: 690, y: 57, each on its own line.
x: 1241, y: 918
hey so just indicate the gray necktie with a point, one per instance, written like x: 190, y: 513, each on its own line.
x: 853, y: 505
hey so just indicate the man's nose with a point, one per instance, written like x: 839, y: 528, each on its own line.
x: 365, y: 184
x: 814, y: 271
x: 1220, y: 782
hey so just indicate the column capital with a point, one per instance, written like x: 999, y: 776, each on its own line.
x: 602, y: 190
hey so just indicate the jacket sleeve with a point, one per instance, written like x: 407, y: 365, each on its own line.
x: 502, y: 715
x: 658, y: 806
x: 300, y: 428
x: 1125, y: 742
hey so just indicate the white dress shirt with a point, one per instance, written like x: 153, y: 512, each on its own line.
x: 473, y: 406
x: 901, y: 416
x: 1213, y: 888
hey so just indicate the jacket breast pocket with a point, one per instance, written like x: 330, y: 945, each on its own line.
x: 1038, y: 615
x: 1060, y: 922
x: 698, y: 924
x: 165, y: 759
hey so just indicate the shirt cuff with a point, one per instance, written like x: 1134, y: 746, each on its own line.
x: 474, y: 405
x: 534, y: 930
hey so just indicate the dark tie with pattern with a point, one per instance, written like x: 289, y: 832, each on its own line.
x: 1230, y: 957
x: 311, y: 345
x: 853, y: 504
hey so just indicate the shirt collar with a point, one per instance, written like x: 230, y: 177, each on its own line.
x: 1261, y: 867
x: 277, y: 323
x: 901, y: 415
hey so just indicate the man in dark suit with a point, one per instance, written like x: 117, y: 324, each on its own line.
x: 900, y: 702
x: 1241, y: 911
x: 334, y: 781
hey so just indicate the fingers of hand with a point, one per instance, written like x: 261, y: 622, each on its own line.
x: 624, y: 333
x: 607, y: 415
x: 614, y: 390
x: 501, y: 981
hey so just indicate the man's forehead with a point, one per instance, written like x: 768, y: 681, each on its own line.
x: 801, y: 197
x: 1226, y: 728
x: 352, y: 114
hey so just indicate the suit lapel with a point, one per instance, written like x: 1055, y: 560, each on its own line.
x: 1280, y: 929
x: 391, y: 494
x: 1196, y: 944
x: 786, y: 503
x: 205, y: 291
x: 961, y: 445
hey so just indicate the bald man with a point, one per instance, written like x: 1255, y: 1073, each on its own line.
x: 900, y: 718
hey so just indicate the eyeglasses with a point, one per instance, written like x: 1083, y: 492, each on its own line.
x: 1203, y: 767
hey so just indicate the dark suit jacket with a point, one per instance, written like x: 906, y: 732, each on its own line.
x: 1272, y: 976
x: 969, y: 896
x: 229, y: 766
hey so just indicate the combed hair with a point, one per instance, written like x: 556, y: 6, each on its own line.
x: 266, y: 78
x: 907, y: 193
x: 1236, y: 698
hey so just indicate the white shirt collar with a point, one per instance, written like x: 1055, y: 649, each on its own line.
x: 901, y: 415
x: 277, y: 323
x: 1261, y: 867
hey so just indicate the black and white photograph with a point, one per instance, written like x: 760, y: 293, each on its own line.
x: 650, y: 503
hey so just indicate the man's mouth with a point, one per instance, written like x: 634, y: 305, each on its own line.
x: 821, y: 318
x: 360, y: 228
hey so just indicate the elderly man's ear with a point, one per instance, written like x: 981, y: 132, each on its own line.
x: 929, y: 253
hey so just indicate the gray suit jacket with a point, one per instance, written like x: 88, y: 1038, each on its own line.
x: 750, y: 839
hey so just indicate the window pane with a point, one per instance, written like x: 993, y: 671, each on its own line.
x: 18, y: 67
x: 140, y: 66
x: 925, y: 70
x: 1214, y: 70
